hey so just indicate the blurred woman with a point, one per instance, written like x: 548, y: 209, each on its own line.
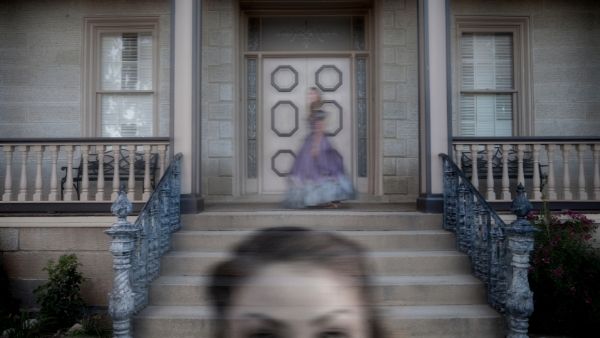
x: 317, y: 177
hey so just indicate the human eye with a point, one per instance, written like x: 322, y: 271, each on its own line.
x: 263, y: 334
x: 333, y: 334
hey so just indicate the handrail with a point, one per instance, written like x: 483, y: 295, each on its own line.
x: 80, y: 140
x: 527, y: 139
x: 499, y: 252
x: 137, y: 248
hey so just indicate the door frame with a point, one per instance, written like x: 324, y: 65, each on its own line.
x: 252, y: 186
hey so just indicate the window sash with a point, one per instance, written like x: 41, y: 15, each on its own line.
x: 126, y: 77
x: 126, y: 114
x: 488, y: 91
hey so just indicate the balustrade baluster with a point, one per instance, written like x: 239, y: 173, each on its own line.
x: 457, y: 155
x: 38, y: 151
x: 567, y: 194
x: 147, y: 155
x: 131, y: 178
x: 53, y: 195
x: 68, y: 195
x: 85, y: 178
x: 154, y: 239
x: 497, y: 286
x: 521, y: 172
x: 22, y: 196
x: 551, y: 185
x: 597, y: 171
x: 145, y: 228
x: 537, y: 193
x: 583, y: 196
x: 474, y: 171
x: 165, y: 216
x: 505, y: 178
x: 469, y: 223
x: 176, y: 193
x: 461, y: 218
x: 162, y: 158
x: 450, y: 196
x: 100, y: 182
x: 8, y: 155
x: 491, y: 195
x: 116, y: 175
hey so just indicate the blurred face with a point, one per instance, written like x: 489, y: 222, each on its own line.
x: 297, y: 300
x: 313, y: 96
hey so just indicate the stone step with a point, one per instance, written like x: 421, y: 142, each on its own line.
x: 320, y: 219
x: 437, y: 321
x: 387, y: 290
x: 420, y: 240
x: 390, y: 263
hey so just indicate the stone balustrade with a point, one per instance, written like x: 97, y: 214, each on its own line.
x: 84, y: 170
x: 553, y: 169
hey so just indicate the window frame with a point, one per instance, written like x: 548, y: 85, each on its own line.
x: 518, y: 27
x: 91, y: 73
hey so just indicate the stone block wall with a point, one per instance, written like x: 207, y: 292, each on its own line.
x: 41, y: 66
x: 397, y: 57
x: 27, y: 243
x: 218, y: 96
x: 565, y: 60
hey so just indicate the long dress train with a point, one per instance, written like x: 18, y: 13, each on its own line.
x: 320, y: 179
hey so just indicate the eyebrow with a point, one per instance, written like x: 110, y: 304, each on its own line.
x: 328, y: 317
x: 263, y: 318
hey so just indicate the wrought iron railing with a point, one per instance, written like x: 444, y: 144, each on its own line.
x: 499, y: 252
x: 138, y: 247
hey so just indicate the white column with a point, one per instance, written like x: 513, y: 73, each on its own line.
x: 182, y: 100
x: 433, y: 98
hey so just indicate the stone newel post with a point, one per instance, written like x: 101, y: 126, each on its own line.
x: 121, y: 303
x: 519, y: 303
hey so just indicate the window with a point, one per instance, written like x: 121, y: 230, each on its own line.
x: 121, y: 77
x: 493, y: 68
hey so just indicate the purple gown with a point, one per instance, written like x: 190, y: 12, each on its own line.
x: 317, y: 180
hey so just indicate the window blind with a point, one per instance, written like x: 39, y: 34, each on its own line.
x: 126, y: 69
x: 486, y: 65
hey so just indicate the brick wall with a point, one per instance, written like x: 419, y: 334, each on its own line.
x: 396, y: 25
x: 218, y: 105
x: 40, y: 63
x: 27, y: 243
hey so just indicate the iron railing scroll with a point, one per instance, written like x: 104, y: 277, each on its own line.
x: 499, y: 252
x: 138, y: 247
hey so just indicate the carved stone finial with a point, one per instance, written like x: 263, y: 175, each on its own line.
x: 520, y: 205
x: 121, y: 207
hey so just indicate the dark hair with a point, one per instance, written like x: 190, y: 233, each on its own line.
x: 289, y: 245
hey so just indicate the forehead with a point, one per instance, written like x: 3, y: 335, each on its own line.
x: 296, y: 292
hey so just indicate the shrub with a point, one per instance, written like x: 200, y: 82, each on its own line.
x: 564, y: 275
x: 60, y: 297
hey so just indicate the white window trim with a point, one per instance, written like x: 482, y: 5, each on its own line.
x: 93, y: 28
x: 523, y: 115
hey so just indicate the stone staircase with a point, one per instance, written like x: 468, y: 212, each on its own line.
x: 423, y: 286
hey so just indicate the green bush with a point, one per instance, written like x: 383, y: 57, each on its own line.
x: 564, y: 275
x: 60, y: 298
